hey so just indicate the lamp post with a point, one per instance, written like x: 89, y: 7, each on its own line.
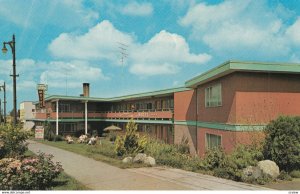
x: 12, y: 45
x: 4, y: 102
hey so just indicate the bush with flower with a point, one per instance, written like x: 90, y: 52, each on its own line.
x: 31, y: 173
x: 18, y: 172
x: 12, y: 141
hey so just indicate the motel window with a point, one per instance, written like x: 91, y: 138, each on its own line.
x: 172, y: 103
x: 212, y: 141
x: 213, y: 96
x: 149, y: 106
x: 64, y: 108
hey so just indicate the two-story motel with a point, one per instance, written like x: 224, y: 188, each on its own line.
x: 225, y: 106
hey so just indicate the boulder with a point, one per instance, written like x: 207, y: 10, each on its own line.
x: 252, y: 172
x: 127, y: 160
x: 139, y: 158
x: 69, y: 139
x: 82, y: 139
x: 92, y: 141
x: 269, y: 167
x: 150, y: 161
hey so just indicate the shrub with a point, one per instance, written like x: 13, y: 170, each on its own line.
x: 112, y: 136
x: 264, y: 179
x: 58, y: 138
x: 282, y: 143
x: 33, y: 173
x: 166, y: 154
x: 183, y: 147
x: 131, y: 142
x: 94, y: 133
x: 106, y: 149
x: 284, y: 176
x: 12, y: 141
x: 49, y: 134
x: 246, y: 155
x: 295, y: 174
x: 214, y: 158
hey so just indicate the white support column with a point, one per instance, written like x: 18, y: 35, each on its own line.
x: 57, y: 117
x: 86, y: 114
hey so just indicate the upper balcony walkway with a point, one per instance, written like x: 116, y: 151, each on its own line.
x: 142, y: 114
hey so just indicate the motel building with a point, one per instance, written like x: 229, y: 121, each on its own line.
x: 225, y: 106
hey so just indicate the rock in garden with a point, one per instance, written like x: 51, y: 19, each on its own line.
x: 252, y: 172
x: 92, y: 141
x: 127, y: 160
x: 150, y: 161
x: 69, y: 139
x: 82, y: 139
x: 269, y: 167
x: 139, y: 158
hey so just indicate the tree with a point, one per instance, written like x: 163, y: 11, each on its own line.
x: 131, y: 142
x: 282, y: 143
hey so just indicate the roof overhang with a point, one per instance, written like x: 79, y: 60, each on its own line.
x: 238, y: 66
x: 158, y: 93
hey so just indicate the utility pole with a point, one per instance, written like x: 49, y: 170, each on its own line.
x: 3, y: 87
x: 0, y: 112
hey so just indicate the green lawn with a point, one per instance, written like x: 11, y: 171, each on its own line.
x: 63, y: 181
x: 66, y: 182
x: 104, y: 152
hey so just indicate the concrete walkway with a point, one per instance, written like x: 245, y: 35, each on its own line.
x: 101, y: 176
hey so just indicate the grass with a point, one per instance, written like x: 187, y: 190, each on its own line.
x: 104, y: 152
x: 285, y: 185
x: 66, y: 182
x: 63, y: 181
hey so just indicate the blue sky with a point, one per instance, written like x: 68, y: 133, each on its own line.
x: 64, y: 43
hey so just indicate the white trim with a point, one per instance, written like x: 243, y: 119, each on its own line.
x: 57, y: 117
x: 85, y: 117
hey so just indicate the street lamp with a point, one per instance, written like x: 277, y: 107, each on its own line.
x: 12, y: 45
x: 4, y: 102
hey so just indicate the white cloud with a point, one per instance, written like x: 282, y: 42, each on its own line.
x: 54, y: 73
x: 72, y: 13
x: 137, y: 9
x: 293, y: 32
x: 74, y: 73
x: 233, y: 27
x: 100, y: 42
x: 162, y: 54
x: 26, y: 85
x: 150, y: 69
x: 26, y: 70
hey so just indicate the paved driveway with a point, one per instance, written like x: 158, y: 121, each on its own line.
x: 101, y: 176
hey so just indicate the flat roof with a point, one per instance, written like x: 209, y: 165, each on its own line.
x: 158, y: 93
x: 245, y: 66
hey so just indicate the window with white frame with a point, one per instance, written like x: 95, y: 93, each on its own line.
x: 213, y: 96
x: 212, y: 141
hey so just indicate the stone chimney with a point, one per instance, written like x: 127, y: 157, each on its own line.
x: 86, y: 90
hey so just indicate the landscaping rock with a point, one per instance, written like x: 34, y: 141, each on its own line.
x: 82, y: 139
x: 252, y: 172
x: 69, y: 139
x: 150, y: 161
x: 92, y: 141
x: 269, y: 167
x: 127, y: 160
x: 139, y: 158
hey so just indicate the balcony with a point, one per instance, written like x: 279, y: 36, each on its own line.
x: 151, y: 114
